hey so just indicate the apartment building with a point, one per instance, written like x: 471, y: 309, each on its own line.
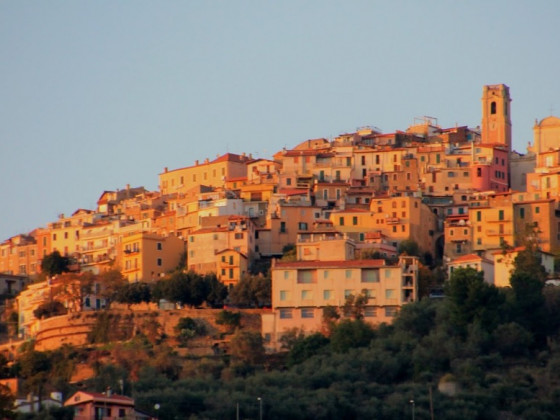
x: 19, y: 256
x: 398, y: 218
x: 210, y: 173
x: 225, y: 246
x: 143, y: 256
x: 65, y: 232
x: 302, y: 289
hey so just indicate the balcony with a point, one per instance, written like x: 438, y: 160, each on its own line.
x: 392, y: 220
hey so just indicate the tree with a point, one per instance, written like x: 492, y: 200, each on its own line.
x: 216, y: 291
x: 54, y: 263
x: 350, y: 333
x: 251, y: 291
x: 110, y: 281
x: 35, y: 368
x: 354, y: 305
x: 472, y: 300
x: 6, y: 402
x: 48, y: 309
x: 409, y: 247
x: 230, y: 319
x: 330, y: 317
x: 247, y: 346
x: 188, y: 328
x: 73, y: 288
x: 185, y: 288
x: 133, y: 293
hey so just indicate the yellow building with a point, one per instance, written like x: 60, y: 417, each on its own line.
x: 398, y: 218
x: 302, y: 289
x: 19, y: 255
x: 210, y: 173
x: 229, y: 233
x: 146, y: 256
x: 231, y: 266
x: 65, y: 233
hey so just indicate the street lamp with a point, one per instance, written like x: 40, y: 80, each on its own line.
x: 259, y: 399
x: 412, y: 403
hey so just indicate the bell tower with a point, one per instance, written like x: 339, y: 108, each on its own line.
x: 496, y: 115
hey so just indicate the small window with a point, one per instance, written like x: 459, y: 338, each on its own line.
x: 328, y: 294
x: 285, y: 313
x: 159, y: 247
x: 493, y: 108
x: 390, y: 311
x: 159, y: 262
x: 370, y: 312
x: 307, y: 313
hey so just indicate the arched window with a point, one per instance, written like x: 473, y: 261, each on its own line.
x: 478, y: 171
x: 493, y: 108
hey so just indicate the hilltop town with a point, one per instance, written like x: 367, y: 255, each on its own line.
x: 376, y: 218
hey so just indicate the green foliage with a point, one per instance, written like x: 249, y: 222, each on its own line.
x: 228, y: 318
x: 190, y: 288
x: 289, y: 253
x: 409, y: 247
x: 49, y: 309
x: 133, y: 293
x: 472, y: 300
x: 354, y: 305
x: 54, y: 263
x: 188, y: 328
x: 304, y: 347
x: 251, y: 291
x: 247, y: 347
x: 348, y: 334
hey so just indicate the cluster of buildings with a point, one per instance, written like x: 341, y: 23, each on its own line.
x: 462, y: 194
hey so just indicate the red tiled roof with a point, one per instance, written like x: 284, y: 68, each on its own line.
x: 293, y: 191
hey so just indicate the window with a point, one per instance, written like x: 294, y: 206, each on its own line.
x: 355, y: 220
x: 328, y: 294
x: 282, y: 227
x: 239, y: 235
x: 158, y: 246
x: 450, y: 232
x: 479, y: 172
x: 501, y: 215
x: 347, y: 293
x: 348, y: 274
x: 285, y: 313
x: 522, y: 213
x: 389, y: 293
x: 306, y: 295
x: 341, y: 221
x: 370, y: 312
x: 388, y: 273
x: 288, y: 181
x: 305, y: 277
x: 478, y: 216
x: 537, y: 210
x: 390, y: 311
x: 363, y: 160
x: 159, y: 262
x: 493, y: 107
x: 326, y: 274
x: 302, y: 226
x: 307, y: 313
x: 370, y: 276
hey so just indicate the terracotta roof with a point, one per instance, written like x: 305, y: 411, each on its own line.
x: 469, y: 257
x: 293, y: 191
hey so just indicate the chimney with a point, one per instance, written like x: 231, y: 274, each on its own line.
x: 165, y: 170
x: 196, y: 162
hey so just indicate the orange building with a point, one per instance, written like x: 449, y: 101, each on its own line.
x: 146, y: 256
x: 210, y: 173
x: 302, y: 289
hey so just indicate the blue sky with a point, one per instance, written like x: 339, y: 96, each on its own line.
x: 95, y: 95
